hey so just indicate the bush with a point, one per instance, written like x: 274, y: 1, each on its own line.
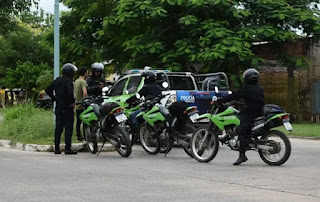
x: 27, y: 124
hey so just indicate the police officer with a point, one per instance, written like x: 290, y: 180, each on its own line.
x: 96, y: 81
x: 253, y: 95
x: 149, y: 90
x: 61, y: 91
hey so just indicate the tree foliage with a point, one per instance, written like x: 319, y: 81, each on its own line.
x: 11, y: 8
x: 26, y: 76
x: 181, y: 34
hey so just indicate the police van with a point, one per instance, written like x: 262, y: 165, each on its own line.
x: 194, y: 89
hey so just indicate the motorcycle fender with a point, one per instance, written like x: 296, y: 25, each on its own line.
x: 141, y: 114
x: 204, y: 118
x: 277, y: 116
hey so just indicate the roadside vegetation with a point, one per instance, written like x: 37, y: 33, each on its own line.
x: 27, y: 124
x: 302, y: 130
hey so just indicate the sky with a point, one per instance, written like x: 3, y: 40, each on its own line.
x: 48, y: 6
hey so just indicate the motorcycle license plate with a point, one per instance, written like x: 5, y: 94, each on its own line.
x: 193, y: 117
x: 288, y: 126
x: 121, y: 117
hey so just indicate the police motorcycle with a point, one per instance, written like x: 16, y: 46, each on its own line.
x: 161, y: 126
x: 101, y: 124
x: 273, y: 146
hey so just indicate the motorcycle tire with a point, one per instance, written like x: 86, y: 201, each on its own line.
x: 149, y: 143
x: 91, y: 139
x: 123, y: 147
x: 189, y: 131
x: 266, y: 155
x: 212, y: 145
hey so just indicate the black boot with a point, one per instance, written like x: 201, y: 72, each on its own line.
x: 70, y: 152
x: 80, y: 139
x: 242, y: 158
x: 57, y: 151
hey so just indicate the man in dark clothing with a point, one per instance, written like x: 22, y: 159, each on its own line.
x: 61, y: 91
x: 96, y: 81
x: 253, y: 96
x: 150, y: 90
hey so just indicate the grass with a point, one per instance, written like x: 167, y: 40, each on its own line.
x: 2, y: 111
x: 27, y: 124
x: 302, y: 130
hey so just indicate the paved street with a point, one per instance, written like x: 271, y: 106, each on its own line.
x: 31, y: 176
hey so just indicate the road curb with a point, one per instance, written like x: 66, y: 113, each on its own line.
x: 305, y: 138
x: 80, y: 147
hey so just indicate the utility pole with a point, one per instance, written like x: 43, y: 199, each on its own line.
x: 56, y: 39
x: 56, y: 45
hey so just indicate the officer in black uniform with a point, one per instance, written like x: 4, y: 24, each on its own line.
x: 61, y: 91
x: 150, y: 90
x: 96, y: 81
x: 253, y: 95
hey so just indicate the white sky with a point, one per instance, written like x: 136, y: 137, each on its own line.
x: 48, y: 6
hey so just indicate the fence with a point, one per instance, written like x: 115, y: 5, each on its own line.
x: 293, y: 94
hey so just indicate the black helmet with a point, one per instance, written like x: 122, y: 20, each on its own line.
x: 68, y: 70
x: 150, y: 77
x: 251, y: 76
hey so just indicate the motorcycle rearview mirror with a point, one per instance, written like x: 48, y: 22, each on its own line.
x: 138, y: 96
x: 165, y: 84
x: 216, y: 89
x: 105, y: 90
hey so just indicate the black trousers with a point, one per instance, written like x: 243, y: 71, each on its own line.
x: 78, y: 124
x: 246, y: 120
x: 64, y: 120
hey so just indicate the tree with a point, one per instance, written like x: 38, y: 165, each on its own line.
x: 182, y: 34
x: 24, y: 43
x: 26, y: 76
x: 9, y: 9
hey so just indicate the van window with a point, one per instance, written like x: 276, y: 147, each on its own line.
x: 117, y: 89
x: 181, y: 83
x: 133, y: 84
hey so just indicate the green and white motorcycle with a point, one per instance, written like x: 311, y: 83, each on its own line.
x: 273, y: 146
x: 161, y: 127
x: 101, y: 124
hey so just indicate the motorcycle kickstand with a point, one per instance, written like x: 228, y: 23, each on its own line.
x: 101, y: 148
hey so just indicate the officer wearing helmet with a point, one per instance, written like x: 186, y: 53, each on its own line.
x: 61, y: 91
x: 253, y: 95
x: 150, y: 90
x: 96, y: 81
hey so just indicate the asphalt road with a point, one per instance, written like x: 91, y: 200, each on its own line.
x: 32, y: 176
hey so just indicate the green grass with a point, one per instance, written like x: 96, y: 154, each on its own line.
x: 303, y: 130
x: 26, y: 124
x: 2, y: 111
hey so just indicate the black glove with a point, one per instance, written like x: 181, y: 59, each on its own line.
x: 219, y: 102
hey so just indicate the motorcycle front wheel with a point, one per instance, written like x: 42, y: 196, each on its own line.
x: 204, y: 145
x: 281, y: 148
x: 91, y: 138
x: 123, y: 145
x: 149, y: 143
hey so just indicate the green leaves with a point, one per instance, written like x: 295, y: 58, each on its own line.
x: 188, y: 20
x: 178, y: 34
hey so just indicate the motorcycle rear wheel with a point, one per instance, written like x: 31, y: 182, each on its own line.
x: 166, y: 143
x: 210, y: 145
x: 149, y: 143
x: 276, y: 157
x: 91, y: 139
x: 123, y: 147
